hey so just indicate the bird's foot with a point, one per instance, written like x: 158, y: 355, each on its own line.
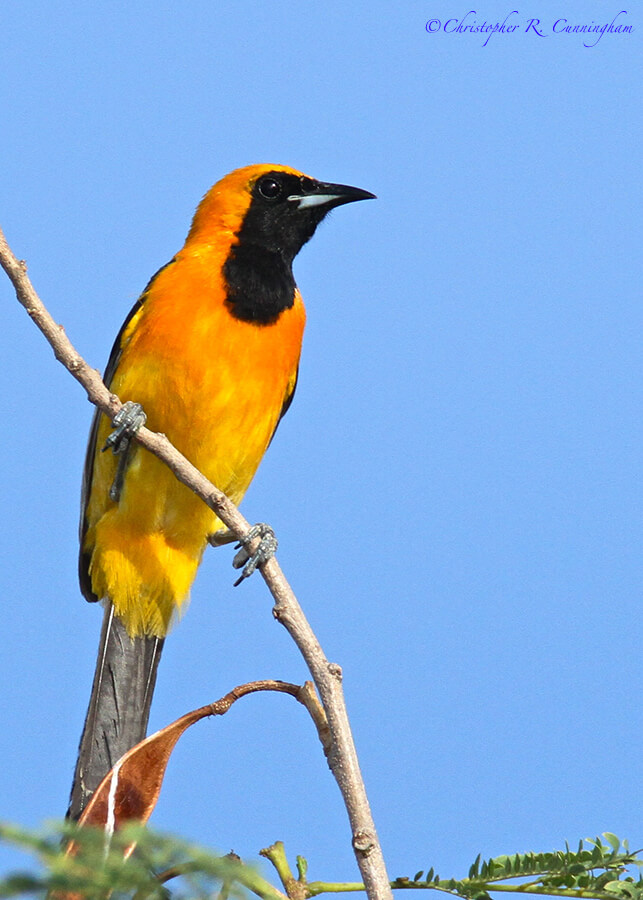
x: 250, y: 561
x: 127, y: 422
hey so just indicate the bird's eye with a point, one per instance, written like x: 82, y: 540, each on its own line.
x: 307, y: 184
x: 269, y: 188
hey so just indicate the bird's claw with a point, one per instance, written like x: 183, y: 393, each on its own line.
x: 251, y: 561
x: 127, y: 422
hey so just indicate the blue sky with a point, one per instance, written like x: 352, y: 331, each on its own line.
x: 456, y: 489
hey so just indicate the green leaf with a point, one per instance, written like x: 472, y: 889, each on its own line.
x: 622, y: 888
x: 612, y: 840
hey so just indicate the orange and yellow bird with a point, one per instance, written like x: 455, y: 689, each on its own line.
x: 210, y: 351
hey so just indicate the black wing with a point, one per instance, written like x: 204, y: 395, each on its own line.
x: 88, y: 472
x: 286, y: 406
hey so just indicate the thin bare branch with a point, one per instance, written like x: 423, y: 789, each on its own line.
x: 326, y: 675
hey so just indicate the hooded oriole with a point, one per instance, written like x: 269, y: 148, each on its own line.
x: 211, y: 352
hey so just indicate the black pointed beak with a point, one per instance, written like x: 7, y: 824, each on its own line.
x: 326, y: 195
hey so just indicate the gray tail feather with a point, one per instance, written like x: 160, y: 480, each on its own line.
x: 119, y: 706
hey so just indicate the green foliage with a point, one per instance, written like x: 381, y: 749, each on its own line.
x: 596, y: 869
x: 99, y: 869
x: 164, y: 868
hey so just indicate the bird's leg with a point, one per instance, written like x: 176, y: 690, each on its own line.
x: 221, y: 538
x: 127, y: 421
x: 250, y: 561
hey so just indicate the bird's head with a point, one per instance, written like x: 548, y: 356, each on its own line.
x: 269, y: 206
